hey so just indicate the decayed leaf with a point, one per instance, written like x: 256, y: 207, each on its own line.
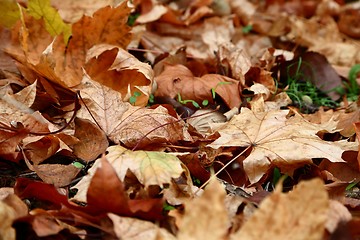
x: 206, y: 212
x: 277, y: 140
x: 178, y: 79
x: 300, y: 214
x: 136, y: 229
x: 150, y: 168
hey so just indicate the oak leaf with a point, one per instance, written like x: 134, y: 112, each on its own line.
x: 277, y: 140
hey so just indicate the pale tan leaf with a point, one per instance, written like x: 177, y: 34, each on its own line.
x: 7, y: 216
x: 299, y: 215
x: 337, y: 214
x: 105, y: 105
x: 136, y: 229
x: 206, y: 212
x: 15, y: 106
x: 278, y: 140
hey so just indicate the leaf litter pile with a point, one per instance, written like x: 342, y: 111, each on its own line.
x: 188, y: 119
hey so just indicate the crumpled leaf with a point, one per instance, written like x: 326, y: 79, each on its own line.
x: 300, y: 214
x: 277, y: 140
x: 205, y: 212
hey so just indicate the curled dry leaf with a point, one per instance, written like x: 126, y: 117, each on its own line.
x: 63, y: 62
x: 117, y: 69
x: 300, y: 214
x: 277, y: 140
x: 236, y: 59
x: 206, y: 212
x: 178, y: 79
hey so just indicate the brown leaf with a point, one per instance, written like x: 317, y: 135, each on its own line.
x: 140, y: 128
x: 300, y: 214
x: 178, y: 79
x: 106, y: 194
x: 93, y: 141
x: 278, y: 140
x: 206, y: 212
x: 117, y: 69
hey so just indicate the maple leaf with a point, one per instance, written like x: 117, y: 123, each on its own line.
x: 206, y: 212
x: 150, y: 168
x: 130, y: 125
x: 53, y: 22
x: 11, y: 13
x: 136, y: 229
x: 277, y: 140
x: 289, y: 215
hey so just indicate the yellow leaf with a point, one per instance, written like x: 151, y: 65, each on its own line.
x: 150, y: 167
x: 298, y: 215
x: 9, y: 13
x: 205, y: 217
x: 53, y: 22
